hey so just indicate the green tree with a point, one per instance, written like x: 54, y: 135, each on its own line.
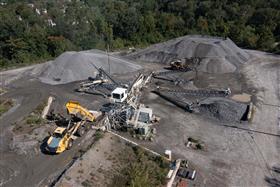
x: 202, y: 25
x: 250, y: 39
x: 59, y: 44
x: 266, y: 40
x: 27, y: 36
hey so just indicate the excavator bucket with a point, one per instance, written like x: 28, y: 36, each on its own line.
x: 74, y: 108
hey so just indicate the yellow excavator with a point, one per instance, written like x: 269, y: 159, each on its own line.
x: 63, y: 137
x: 185, y: 63
x: 75, y: 109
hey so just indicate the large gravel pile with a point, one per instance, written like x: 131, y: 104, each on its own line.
x: 74, y: 66
x: 222, y: 55
x: 223, y: 109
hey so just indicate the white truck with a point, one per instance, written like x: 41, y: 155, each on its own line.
x: 119, y: 95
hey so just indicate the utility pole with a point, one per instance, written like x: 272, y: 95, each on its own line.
x: 108, y: 59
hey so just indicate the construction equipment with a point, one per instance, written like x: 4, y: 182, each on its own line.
x: 103, y: 72
x: 98, y: 85
x: 130, y: 95
x: 173, y: 76
x: 84, y: 86
x: 119, y: 95
x: 75, y: 109
x: 142, y: 120
x: 63, y: 137
x: 203, y: 93
x: 103, y: 84
x: 184, y: 63
x: 135, y: 88
x: 189, y: 104
x: 164, y: 73
x: 187, y: 173
x: 126, y: 112
x: 98, y: 80
x: 125, y: 117
x: 179, y: 101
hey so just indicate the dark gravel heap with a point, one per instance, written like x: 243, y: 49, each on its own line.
x: 223, y: 109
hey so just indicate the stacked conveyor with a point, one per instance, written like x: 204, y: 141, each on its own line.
x: 199, y: 93
x: 178, y: 97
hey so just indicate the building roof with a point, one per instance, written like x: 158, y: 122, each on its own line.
x: 146, y: 110
x: 119, y: 90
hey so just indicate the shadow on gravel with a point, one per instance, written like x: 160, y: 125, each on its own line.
x: 43, y: 147
x: 168, y: 68
x: 273, y: 55
x: 276, y: 169
x: 272, y: 182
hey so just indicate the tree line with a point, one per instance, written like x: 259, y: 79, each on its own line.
x: 33, y: 31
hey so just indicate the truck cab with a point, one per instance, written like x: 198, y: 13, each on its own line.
x: 119, y: 95
x: 56, y: 142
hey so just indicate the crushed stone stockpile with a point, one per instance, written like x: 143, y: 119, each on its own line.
x: 223, y: 109
x: 75, y: 66
x: 219, y: 55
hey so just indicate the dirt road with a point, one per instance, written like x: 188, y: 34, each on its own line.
x: 37, y: 168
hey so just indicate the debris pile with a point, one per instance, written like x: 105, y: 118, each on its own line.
x: 219, y: 55
x: 75, y: 66
x: 223, y: 109
x: 212, y: 103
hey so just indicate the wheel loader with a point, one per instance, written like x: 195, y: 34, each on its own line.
x: 184, y: 63
x: 81, y: 119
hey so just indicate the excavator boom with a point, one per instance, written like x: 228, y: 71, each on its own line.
x: 74, y: 108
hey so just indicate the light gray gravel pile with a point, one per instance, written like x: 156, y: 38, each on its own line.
x: 220, y: 55
x: 75, y: 66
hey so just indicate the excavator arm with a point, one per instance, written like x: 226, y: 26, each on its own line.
x: 74, y: 108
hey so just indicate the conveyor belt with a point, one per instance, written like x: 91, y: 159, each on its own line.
x: 203, y: 93
x: 163, y: 73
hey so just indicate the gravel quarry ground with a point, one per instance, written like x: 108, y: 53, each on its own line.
x: 235, y: 154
